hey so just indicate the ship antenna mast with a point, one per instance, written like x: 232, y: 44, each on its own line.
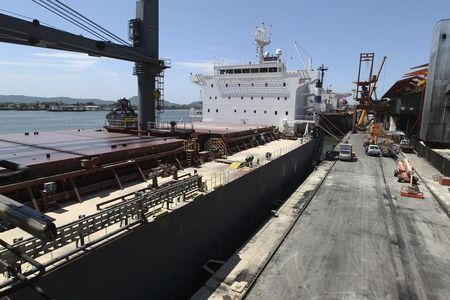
x: 262, y: 39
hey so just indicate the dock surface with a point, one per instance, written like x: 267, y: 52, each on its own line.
x: 355, y: 238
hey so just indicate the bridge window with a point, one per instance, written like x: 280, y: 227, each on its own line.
x: 272, y: 70
x: 245, y: 70
x: 229, y: 71
x: 237, y: 71
x: 222, y: 71
x: 263, y: 70
x: 254, y: 70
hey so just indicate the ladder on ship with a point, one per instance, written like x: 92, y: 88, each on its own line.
x: 218, y: 144
x: 191, y: 147
x: 159, y: 98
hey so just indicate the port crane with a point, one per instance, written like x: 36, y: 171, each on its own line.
x: 144, y: 50
x: 365, y: 89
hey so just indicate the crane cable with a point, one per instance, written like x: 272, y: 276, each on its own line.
x: 79, y: 20
x: 25, y: 17
x: 68, y: 18
x: 102, y: 29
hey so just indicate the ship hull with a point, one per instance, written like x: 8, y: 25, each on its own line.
x: 163, y: 259
x: 337, y: 123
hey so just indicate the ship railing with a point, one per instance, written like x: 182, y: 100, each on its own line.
x: 168, y: 125
x: 81, y: 235
x: 219, y: 179
x: 122, y: 124
x: 199, y: 79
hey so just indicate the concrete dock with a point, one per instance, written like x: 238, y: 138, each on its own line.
x: 346, y: 233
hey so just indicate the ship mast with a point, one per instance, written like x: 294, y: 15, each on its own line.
x: 319, y: 84
x: 262, y: 39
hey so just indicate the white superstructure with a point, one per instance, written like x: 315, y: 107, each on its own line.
x: 264, y: 93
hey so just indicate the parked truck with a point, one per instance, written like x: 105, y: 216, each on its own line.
x: 346, y: 152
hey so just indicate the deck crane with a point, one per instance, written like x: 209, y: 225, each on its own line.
x: 365, y: 89
x: 297, y: 46
x: 144, y: 51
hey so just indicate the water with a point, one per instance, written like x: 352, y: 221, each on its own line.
x: 30, y: 121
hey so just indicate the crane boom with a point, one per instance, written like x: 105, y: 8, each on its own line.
x: 17, y: 31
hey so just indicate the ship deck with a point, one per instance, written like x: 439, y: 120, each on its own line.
x: 225, y: 128
x: 33, y: 149
x: 214, y: 174
x: 346, y: 233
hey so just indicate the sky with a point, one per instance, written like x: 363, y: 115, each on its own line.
x: 196, y: 34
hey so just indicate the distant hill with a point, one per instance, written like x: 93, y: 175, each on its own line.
x: 170, y: 105
x: 68, y: 100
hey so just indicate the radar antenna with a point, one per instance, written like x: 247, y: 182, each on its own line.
x: 262, y: 39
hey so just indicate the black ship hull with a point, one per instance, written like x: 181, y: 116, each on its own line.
x: 337, y: 123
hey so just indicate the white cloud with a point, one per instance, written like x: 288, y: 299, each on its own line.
x: 64, y: 55
x: 195, y: 66
x: 202, y: 66
x: 66, y: 62
x: 76, y: 61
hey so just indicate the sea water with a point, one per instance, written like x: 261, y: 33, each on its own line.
x: 31, y: 121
